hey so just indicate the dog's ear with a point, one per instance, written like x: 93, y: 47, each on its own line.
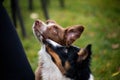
x: 84, y: 53
x: 73, y: 33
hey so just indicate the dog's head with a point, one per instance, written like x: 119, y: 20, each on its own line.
x: 51, y: 30
x: 72, y: 61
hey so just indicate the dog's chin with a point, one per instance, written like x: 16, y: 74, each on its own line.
x: 38, y: 36
x: 41, y: 40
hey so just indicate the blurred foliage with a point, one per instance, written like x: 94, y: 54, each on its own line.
x: 101, y: 19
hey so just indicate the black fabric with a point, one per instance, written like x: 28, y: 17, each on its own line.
x: 14, y: 63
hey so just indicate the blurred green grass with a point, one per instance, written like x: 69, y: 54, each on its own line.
x: 101, y: 19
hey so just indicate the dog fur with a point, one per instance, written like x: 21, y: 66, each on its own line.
x: 73, y: 62
x: 47, y: 69
x: 51, y: 30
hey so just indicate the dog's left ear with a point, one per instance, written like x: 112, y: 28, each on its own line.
x: 73, y: 33
x: 84, y: 53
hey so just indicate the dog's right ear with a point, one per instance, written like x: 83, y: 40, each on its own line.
x: 73, y: 33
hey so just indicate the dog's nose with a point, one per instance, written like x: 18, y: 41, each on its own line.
x: 38, y: 22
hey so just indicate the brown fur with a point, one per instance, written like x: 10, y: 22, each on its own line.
x: 63, y: 36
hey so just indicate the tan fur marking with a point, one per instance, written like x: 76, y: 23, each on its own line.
x: 67, y: 65
x: 82, y: 54
x: 57, y: 59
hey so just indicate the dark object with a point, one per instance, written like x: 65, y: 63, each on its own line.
x: 14, y: 63
x: 44, y: 4
x: 30, y: 5
x: 44, y: 7
x: 62, y: 4
x: 16, y: 13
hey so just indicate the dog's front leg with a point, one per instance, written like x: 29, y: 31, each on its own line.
x: 38, y: 75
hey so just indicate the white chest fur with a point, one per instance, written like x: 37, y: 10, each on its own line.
x: 49, y: 70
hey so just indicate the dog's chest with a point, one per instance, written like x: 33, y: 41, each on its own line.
x: 49, y: 70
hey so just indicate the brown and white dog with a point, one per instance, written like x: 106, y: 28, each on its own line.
x: 47, y: 69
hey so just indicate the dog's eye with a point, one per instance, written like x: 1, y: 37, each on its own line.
x: 55, y: 29
x: 50, y: 21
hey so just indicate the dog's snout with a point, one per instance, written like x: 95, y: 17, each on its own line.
x: 38, y: 22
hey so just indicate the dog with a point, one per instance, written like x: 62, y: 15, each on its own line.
x: 47, y: 69
x: 73, y: 62
x: 51, y: 30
